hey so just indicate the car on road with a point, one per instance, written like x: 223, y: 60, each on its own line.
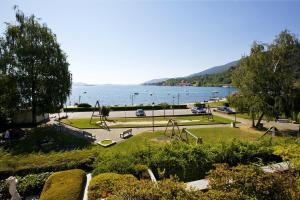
x: 140, y: 113
x: 198, y: 110
x: 224, y: 109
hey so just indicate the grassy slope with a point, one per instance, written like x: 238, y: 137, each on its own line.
x: 85, y: 123
x: 15, y: 162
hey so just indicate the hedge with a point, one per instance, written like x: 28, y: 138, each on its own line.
x: 64, y: 185
x: 115, y: 186
x: 31, y: 184
x: 122, y: 108
x: 104, y: 184
x: 37, y: 163
x: 84, y: 105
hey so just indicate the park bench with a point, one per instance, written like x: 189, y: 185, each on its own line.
x: 126, y: 134
x: 282, y: 120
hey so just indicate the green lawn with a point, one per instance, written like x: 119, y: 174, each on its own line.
x: 211, y: 136
x: 146, y: 121
x: 37, y: 160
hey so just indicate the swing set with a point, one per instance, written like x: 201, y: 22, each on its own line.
x: 183, y: 135
x: 97, y: 113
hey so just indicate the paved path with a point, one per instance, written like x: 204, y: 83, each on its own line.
x: 114, y: 134
x: 247, y: 122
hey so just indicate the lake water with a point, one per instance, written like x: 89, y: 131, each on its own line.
x: 141, y: 94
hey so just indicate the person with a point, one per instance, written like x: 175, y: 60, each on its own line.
x: 7, y: 135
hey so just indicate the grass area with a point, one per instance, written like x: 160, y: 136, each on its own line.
x: 216, y: 103
x: 45, y: 140
x: 67, y: 185
x: 146, y: 121
x: 106, y: 141
x: 44, y: 149
x: 39, y: 161
x: 211, y: 136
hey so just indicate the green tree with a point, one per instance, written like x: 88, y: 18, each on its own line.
x: 266, y: 78
x: 105, y: 110
x: 34, y: 70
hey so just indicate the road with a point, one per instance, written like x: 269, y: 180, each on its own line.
x: 113, y: 114
x: 246, y: 122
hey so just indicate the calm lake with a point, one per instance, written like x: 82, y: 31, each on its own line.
x: 141, y: 94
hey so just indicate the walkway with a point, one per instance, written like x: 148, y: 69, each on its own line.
x: 114, y: 134
x: 247, y: 122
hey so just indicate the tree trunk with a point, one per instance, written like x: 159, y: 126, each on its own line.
x: 253, y: 118
x: 259, y: 119
x: 33, y: 109
x: 33, y: 96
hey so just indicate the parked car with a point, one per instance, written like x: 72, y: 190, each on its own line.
x: 198, y: 110
x: 225, y: 109
x: 140, y: 113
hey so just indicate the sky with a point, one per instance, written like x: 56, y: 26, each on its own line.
x: 130, y: 42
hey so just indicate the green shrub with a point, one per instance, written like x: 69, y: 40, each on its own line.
x: 104, y: 184
x: 38, y: 162
x: 147, y: 190
x: 46, y: 139
x: 115, y: 163
x: 188, y: 162
x: 64, y: 185
x: 31, y: 184
x: 4, y: 194
x: 141, y: 171
x: 116, y: 186
x: 238, y: 152
x: 84, y: 105
x: 105, y: 111
x: 253, y: 182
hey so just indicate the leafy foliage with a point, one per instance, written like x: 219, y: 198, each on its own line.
x: 253, y: 183
x: 104, y: 184
x: 31, y: 184
x: 187, y: 162
x: 116, y: 186
x: 67, y: 185
x: 33, y: 68
x: 84, y: 105
x: 45, y: 139
x: 265, y: 79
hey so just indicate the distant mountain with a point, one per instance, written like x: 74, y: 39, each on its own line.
x: 81, y: 84
x: 214, y: 76
x: 155, y: 81
x: 215, y: 70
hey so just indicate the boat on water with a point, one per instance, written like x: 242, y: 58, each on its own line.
x: 215, y: 96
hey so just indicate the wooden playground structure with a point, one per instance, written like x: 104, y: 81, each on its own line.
x: 97, y: 113
x: 183, y: 135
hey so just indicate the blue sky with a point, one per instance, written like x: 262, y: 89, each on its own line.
x: 129, y: 42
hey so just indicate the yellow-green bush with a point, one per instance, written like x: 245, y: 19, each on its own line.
x: 107, y: 183
x: 64, y: 185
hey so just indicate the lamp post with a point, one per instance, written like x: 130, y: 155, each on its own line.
x: 132, y: 96
x: 153, y: 117
x: 173, y: 104
x: 125, y: 112
x: 79, y: 100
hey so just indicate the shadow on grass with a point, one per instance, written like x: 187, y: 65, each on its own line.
x: 45, y: 139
